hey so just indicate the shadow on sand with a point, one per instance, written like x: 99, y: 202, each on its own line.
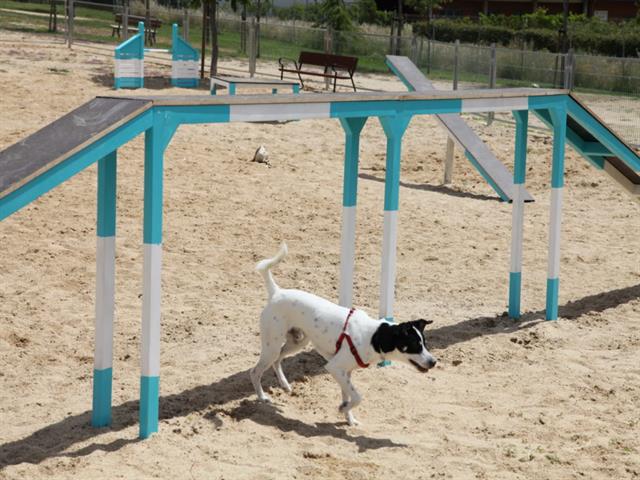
x: 54, y: 439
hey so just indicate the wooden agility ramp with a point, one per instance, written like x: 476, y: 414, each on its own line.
x: 476, y: 151
x: 586, y: 133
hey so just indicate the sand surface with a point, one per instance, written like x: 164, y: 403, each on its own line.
x: 524, y: 399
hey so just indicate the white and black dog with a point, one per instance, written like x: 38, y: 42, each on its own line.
x: 293, y: 318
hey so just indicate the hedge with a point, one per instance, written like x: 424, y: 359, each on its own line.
x: 581, y: 40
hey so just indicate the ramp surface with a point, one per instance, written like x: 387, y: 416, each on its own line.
x: 602, y: 147
x: 56, y: 142
x: 492, y: 169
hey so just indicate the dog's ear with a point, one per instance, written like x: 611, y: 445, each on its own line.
x: 384, y: 339
x: 421, y: 323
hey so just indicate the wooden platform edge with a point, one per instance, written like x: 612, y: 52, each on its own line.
x: 61, y: 158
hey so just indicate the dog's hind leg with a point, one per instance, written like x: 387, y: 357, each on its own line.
x: 272, y: 336
x: 296, y: 341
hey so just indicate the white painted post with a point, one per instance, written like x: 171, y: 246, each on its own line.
x: 517, y: 218
x: 151, y: 296
x: 559, y: 118
x: 352, y: 128
x: 394, y: 128
x: 105, y: 291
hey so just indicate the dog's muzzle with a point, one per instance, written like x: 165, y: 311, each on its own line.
x: 424, y: 369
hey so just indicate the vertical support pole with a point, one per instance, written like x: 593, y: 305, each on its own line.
x: 352, y: 128
x: 252, y: 48
x: 151, y: 297
x: 328, y: 49
x: 559, y: 118
x: 105, y: 291
x: 394, y: 128
x: 493, y: 70
x: 125, y: 21
x: 456, y: 57
x: 448, y: 162
x: 71, y: 14
x: 185, y: 25
x: 448, y: 159
x: 517, y: 216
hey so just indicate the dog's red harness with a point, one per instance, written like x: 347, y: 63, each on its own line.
x: 352, y: 347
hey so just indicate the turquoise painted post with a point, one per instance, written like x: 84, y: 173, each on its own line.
x: 296, y: 88
x: 105, y: 291
x: 394, y: 128
x: 517, y: 220
x: 559, y: 118
x: 352, y: 128
x: 232, y: 88
x: 156, y: 140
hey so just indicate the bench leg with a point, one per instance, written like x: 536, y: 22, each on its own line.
x: 335, y: 81
x: 353, y: 83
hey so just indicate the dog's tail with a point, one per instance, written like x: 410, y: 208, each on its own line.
x: 265, y: 266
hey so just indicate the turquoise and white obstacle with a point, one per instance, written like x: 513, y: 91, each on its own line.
x: 129, y: 61
x: 95, y: 131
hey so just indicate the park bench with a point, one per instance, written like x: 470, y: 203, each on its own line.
x: 132, y: 26
x: 334, y: 67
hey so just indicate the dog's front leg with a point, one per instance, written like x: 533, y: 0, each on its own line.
x: 350, y: 396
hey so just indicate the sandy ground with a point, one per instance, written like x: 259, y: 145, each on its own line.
x: 525, y: 399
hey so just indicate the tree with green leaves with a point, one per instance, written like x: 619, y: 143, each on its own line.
x: 425, y: 8
x: 335, y: 15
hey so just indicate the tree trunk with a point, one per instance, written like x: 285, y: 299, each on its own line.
x: 259, y: 11
x: 213, y: 28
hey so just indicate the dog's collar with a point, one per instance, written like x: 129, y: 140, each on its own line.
x: 352, y: 347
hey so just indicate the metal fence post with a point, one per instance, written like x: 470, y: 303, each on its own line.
x: 568, y: 70
x: 414, y: 49
x: 428, y: 56
x: 252, y: 47
x: 456, y: 52
x: 328, y: 48
x: 185, y: 25
x: 70, y: 24
x: 493, y: 73
x: 125, y: 20
x: 448, y: 161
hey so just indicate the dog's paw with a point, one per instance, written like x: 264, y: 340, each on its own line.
x: 351, y: 420
x: 343, y: 406
x: 265, y: 398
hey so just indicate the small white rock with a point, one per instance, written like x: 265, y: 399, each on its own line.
x: 261, y: 155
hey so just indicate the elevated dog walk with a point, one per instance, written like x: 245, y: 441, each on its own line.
x: 37, y: 163
x: 476, y: 151
x: 98, y: 128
